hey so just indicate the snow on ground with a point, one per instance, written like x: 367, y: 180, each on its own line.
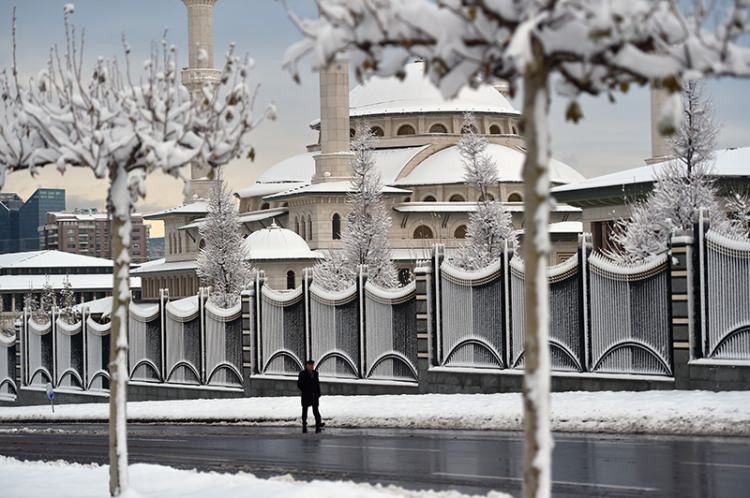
x: 68, y: 480
x: 656, y: 412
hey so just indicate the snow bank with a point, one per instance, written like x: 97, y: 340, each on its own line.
x: 68, y: 480
x: 655, y: 412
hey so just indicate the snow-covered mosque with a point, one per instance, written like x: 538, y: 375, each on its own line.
x: 304, y: 197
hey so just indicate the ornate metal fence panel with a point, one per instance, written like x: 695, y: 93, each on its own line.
x: 8, y: 387
x: 725, y: 296
x: 391, y: 333
x: 97, y: 353
x: 69, y: 354
x: 335, y: 331
x: 223, y: 345
x: 39, y: 353
x: 566, y: 310
x: 630, y: 317
x: 471, y: 320
x: 282, y: 331
x: 144, y: 331
x: 183, y: 341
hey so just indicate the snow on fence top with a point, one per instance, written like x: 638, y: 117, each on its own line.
x: 223, y: 314
x: 7, y: 341
x: 68, y: 328
x: 183, y: 310
x: 555, y: 273
x: 391, y: 296
x: 97, y: 328
x: 333, y: 298
x: 728, y: 243
x: 282, y: 298
x: 601, y: 265
x: 460, y: 276
x: 144, y: 312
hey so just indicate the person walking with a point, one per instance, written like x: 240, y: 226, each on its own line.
x: 309, y: 386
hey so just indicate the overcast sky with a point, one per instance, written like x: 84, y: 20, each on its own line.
x: 611, y: 136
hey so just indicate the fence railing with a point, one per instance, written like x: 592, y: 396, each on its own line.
x: 8, y: 386
x: 604, y: 317
x: 363, y: 332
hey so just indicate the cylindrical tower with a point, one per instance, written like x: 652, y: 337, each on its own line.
x: 333, y: 162
x: 199, y: 72
x: 660, y: 148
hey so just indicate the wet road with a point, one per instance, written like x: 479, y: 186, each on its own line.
x: 475, y: 462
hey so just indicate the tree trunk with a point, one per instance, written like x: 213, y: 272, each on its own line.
x: 536, y: 475
x: 120, y: 229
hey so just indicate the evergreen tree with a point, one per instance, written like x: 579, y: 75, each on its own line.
x: 31, y: 304
x: 334, y: 273
x: 68, y: 311
x: 221, y: 262
x: 47, y: 302
x: 491, y: 224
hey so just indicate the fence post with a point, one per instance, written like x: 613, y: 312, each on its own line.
x: 584, y: 251
x: 18, y: 325
x: 163, y: 299
x: 247, y: 298
x: 202, y: 293
x: 436, y: 340
x: 259, y: 282
x: 425, y: 310
x: 683, y: 305
x: 53, y: 331
x: 307, y: 276
x: 361, y: 282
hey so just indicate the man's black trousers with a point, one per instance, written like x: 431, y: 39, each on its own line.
x: 315, y: 411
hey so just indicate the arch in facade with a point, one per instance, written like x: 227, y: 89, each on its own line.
x: 377, y: 131
x: 457, y: 198
x: 495, y: 130
x: 429, y: 198
x: 406, y: 129
x: 291, y: 281
x: 438, y: 128
x: 515, y: 197
x: 309, y: 228
x: 423, y: 232
x: 460, y: 232
x: 336, y: 227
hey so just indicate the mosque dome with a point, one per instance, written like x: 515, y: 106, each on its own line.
x: 275, y: 242
x: 416, y: 94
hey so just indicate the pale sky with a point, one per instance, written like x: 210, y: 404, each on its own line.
x: 611, y: 137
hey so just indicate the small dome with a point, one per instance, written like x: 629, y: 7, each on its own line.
x: 275, y: 242
x: 446, y: 166
x: 417, y: 94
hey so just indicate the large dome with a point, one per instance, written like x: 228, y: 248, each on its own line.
x: 275, y: 242
x: 446, y: 166
x: 416, y: 94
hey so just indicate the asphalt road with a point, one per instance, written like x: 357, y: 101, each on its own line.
x: 471, y: 461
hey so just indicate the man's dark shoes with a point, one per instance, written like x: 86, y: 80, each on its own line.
x: 304, y: 429
x: 318, y: 430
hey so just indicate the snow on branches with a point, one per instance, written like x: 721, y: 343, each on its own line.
x: 68, y: 312
x: 491, y: 224
x: 221, y: 262
x: 694, y: 141
x: 365, y: 236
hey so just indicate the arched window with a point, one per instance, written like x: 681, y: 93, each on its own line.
x: 290, y: 280
x: 467, y: 128
x: 265, y: 206
x: 495, y: 130
x: 457, y: 198
x: 303, y: 232
x: 296, y: 225
x: 423, y: 232
x: 202, y: 244
x: 179, y: 243
x: 429, y: 198
x: 515, y: 197
x: 352, y: 132
x: 377, y: 131
x: 438, y: 128
x: 406, y: 129
x: 407, y: 199
x: 490, y: 197
x: 309, y: 227
x: 515, y: 130
x: 336, y: 227
x: 460, y: 232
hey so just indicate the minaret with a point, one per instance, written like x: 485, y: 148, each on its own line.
x: 333, y: 162
x: 660, y: 148
x: 199, y: 72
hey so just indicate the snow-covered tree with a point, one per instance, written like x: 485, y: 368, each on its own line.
x: 588, y: 46
x: 123, y: 126
x: 491, y: 224
x: 681, y: 189
x: 47, y: 302
x: 221, y: 262
x: 31, y: 304
x: 333, y: 272
x: 365, y: 236
x: 737, y: 205
x: 68, y: 312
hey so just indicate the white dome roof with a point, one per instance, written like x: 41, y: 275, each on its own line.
x: 275, y: 242
x: 416, y: 94
x: 446, y: 166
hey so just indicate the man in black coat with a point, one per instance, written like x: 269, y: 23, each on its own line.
x: 309, y: 386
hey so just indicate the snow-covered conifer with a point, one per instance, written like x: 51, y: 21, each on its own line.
x: 31, y: 304
x: 491, y: 224
x: 333, y: 272
x: 694, y: 142
x: 221, y: 262
x: 47, y: 302
x: 68, y: 312
x: 737, y: 205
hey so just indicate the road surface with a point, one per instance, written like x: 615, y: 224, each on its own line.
x: 470, y: 461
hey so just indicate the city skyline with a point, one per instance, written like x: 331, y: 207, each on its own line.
x: 597, y: 145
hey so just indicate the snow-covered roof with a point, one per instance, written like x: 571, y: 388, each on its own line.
x: 21, y: 283
x: 341, y: 187
x: 193, y: 208
x: 261, y: 189
x: 733, y: 162
x: 159, y: 265
x: 51, y: 259
x: 276, y: 243
x: 562, y: 227
x: 446, y: 166
x: 469, y: 207
x: 249, y: 217
x: 416, y: 94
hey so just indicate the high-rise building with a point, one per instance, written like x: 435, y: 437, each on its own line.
x: 87, y: 232
x: 20, y: 222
